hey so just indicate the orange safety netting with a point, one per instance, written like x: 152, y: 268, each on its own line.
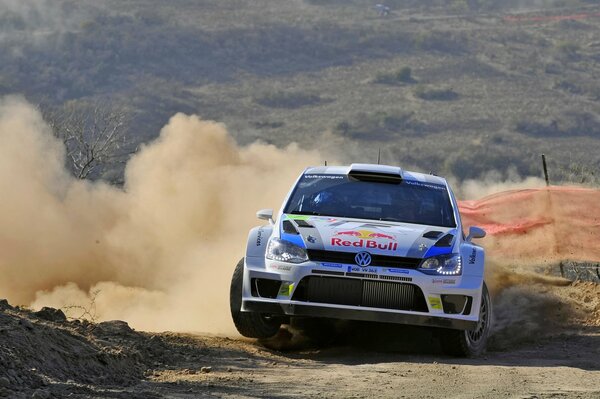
x: 538, y: 225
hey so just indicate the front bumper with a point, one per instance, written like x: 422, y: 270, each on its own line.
x: 333, y: 297
x: 294, y: 309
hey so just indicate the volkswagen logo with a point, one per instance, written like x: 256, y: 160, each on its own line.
x: 363, y: 259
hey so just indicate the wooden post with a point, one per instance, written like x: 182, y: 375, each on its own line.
x: 545, y: 170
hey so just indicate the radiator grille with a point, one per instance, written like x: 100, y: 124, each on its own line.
x: 357, y: 292
x: 317, y: 255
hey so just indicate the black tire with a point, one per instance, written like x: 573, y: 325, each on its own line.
x: 249, y: 324
x: 470, y: 343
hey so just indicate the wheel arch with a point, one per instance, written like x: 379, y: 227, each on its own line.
x: 256, y: 246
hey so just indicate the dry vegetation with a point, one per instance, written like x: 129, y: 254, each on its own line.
x: 458, y: 87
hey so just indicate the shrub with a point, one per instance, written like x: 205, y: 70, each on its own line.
x: 573, y: 123
x: 380, y: 125
x: 568, y: 50
x: 402, y: 75
x: 285, y: 99
x: 435, y: 94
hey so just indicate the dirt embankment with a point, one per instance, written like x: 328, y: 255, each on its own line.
x: 546, y: 343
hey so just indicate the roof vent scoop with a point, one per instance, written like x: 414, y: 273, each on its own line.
x: 376, y: 173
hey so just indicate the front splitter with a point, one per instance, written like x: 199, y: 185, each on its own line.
x: 355, y: 314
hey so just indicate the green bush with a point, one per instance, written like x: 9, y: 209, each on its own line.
x: 402, y: 75
x: 287, y: 99
x: 381, y: 125
x: 568, y: 50
x: 570, y: 123
x: 435, y: 94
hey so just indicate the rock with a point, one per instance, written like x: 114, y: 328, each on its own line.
x: 40, y: 394
x: 205, y: 369
x: 51, y: 314
x: 4, y: 305
x: 26, y: 323
x: 113, y: 327
x: 4, y: 382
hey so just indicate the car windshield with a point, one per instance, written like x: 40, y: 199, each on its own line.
x: 343, y: 196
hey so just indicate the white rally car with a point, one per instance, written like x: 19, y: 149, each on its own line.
x: 365, y: 242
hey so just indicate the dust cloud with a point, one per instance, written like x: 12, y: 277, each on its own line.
x: 158, y: 253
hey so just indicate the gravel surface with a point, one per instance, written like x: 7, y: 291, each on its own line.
x: 44, y: 355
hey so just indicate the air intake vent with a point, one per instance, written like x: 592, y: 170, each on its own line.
x: 433, y: 234
x: 288, y: 227
x: 376, y: 173
x: 355, y: 292
x: 445, y: 241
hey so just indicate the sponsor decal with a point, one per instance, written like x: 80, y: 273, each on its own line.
x: 363, y: 259
x: 259, y: 235
x: 333, y: 265
x: 283, y: 268
x: 422, y: 184
x: 325, y: 176
x: 443, y: 281
x: 400, y: 271
x: 311, y: 239
x: 358, y: 269
x: 435, y: 302
x: 298, y: 217
x: 286, y: 289
x: 422, y: 247
x: 473, y: 257
x: 364, y: 239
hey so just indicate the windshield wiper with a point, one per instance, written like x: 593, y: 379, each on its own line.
x: 393, y: 220
x: 311, y: 213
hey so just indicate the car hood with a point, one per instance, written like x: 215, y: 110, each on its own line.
x: 356, y: 235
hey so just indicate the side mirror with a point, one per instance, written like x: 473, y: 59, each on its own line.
x: 266, y: 214
x: 475, y: 232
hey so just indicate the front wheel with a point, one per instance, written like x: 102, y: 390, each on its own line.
x: 470, y: 343
x: 249, y: 324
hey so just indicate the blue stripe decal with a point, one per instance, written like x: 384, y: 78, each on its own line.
x: 294, y: 239
x: 435, y: 251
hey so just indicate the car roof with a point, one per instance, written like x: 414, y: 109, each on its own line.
x: 375, y: 168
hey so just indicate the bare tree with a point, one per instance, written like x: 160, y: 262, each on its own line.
x: 94, y: 135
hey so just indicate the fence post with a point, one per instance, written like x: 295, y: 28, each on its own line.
x: 545, y: 170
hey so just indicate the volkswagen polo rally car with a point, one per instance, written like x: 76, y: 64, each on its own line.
x: 365, y: 242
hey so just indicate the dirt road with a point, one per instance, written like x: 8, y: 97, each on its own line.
x: 547, y: 346
x: 556, y: 368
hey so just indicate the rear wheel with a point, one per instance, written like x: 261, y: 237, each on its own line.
x: 249, y: 324
x: 470, y: 343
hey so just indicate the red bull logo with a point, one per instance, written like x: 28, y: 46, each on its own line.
x: 364, y: 239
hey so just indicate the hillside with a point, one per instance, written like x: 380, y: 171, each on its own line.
x: 457, y: 87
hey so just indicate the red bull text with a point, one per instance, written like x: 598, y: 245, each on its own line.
x: 362, y: 243
x: 366, y: 239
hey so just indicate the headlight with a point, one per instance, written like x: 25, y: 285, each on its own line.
x: 285, y: 251
x: 446, y: 265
